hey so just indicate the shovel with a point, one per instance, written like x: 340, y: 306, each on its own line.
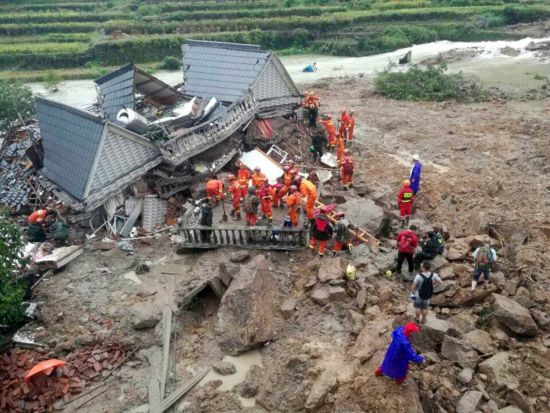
x: 224, y: 216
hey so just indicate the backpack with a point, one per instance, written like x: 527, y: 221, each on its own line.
x: 484, y: 256
x: 405, y: 243
x: 321, y: 224
x: 347, y: 167
x: 426, y: 289
x: 440, y: 244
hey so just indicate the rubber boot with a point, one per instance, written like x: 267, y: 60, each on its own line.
x: 378, y: 372
x: 474, y: 284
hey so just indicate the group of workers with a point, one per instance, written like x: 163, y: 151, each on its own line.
x: 45, y: 223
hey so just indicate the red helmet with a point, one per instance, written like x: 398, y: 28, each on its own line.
x: 293, y: 188
x: 231, y: 177
x: 286, y: 168
x: 346, y: 151
x: 242, y: 165
x: 323, y: 210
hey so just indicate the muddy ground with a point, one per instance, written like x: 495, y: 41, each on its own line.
x: 486, y: 171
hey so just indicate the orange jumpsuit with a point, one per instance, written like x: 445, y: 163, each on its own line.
x: 311, y: 100
x: 266, y: 202
x: 235, y: 189
x: 308, y: 189
x: 244, y: 177
x: 37, y: 216
x: 351, y: 126
x: 287, y: 179
x: 278, y: 191
x: 214, y: 189
x: 340, y: 147
x: 294, y: 202
x: 331, y: 130
x: 258, y: 180
x: 344, y: 126
x: 346, y: 171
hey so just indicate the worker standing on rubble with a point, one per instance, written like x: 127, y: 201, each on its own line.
x: 206, y: 218
x: 342, y: 238
x: 340, y: 148
x: 312, y: 103
x: 278, y: 191
x: 406, y: 244
x: 484, y: 258
x: 321, y: 232
x: 244, y: 179
x: 235, y: 190
x: 308, y: 191
x: 258, y: 178
x: 399, y: 354
x: 330, y: 129
x: 318, y: 140
x: 250, y: 207
x: 287, y: 176
x: 294, y: 203
x: 404, y: 201
x: 351, y: 123
x: 344, y: 125
x: 346, y: 170
x: 266, y: 202
x: 214, y: 189
x: 416, y: 170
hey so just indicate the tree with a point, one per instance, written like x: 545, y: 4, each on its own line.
x: 52, y: 79
x: 11, y: 289
x: 16, y: 102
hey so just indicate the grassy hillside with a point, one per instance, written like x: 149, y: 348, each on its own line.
x: 78, y: 35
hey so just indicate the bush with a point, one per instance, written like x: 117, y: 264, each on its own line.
x: 11, y: 290
x: 16, y: 102
x: 170, y: 63
x: 52, y: 79
x: 429, y: 84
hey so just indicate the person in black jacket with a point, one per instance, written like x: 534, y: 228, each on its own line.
x: 206, y: 220
x: 318, y: 141
x: 321, y: 232
x: 430, y: 248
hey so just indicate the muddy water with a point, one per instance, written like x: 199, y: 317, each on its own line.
x: 509, y: 73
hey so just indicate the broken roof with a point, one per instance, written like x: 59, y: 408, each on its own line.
x: 223, y: 70
x: 117, y: 89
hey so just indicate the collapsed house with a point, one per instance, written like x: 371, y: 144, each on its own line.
x: 141, y: 129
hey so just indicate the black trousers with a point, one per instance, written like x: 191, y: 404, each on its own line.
x: 312, y: 117
x: 402, y: 256
x: 422, y: 256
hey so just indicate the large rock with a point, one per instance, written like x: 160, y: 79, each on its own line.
x: 480, y: 340
x: 438, y: 262
x: 325, y: 294
x: 145, y: 315
x: 515, y: 398
x: 431, y: 333
x: 224, y: 368
x: 331, y: 269
x: 500, y: 371
x: 458, y: 352
x: 366, y: 214
x: 370, y: 342
x: 457, y: 297
x: 541, y: 318
x: 511, y: 409
x: 466, y: 375
x: 248, y: 313
x: 355, y: 322
x: 288, y: 307
x: 468, y: 402
x: 523, y: 297
x: 459, y: 249
x: 325, y: 384
x: 515, y: 317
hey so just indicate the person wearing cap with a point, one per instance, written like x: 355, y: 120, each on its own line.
x: 308, y: 191
x: 351, y: 123
x: 294, y: 203
x: 344, y: 125
x: 321, y: 232
x: 346, y: 170
x: 258, y: 178
x: 399, y: 354
x: 250, y: 207
x: 342, y: 239
x: 404, y: 201
x: 244, y: 178
x: 330, y: 130
x: 416, y: 170
x: 235, y: 190
x: 214, y: 189
x: 312, y: 103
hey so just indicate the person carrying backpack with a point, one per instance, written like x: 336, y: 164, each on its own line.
x: 406, y: 244
x: 484, y: 257
x: 250, y: 207
x: 423, y: 289
x: 321, y: 232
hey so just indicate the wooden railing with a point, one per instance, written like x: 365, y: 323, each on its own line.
x: 264, y: 238
x: 185, y: 144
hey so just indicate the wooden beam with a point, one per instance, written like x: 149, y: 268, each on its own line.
x: 166, y: 333
x: 154, y: 384
x: 180, y: 392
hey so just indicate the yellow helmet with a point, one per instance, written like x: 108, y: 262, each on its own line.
x: 406, y: 182
x: 311, y: 93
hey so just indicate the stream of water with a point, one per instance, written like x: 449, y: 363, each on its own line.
x: 490, y: 66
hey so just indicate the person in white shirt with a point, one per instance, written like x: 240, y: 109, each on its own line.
x: 422, y: 289
x: 484, y: 257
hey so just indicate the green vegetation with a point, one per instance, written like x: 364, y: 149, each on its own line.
x: 170, y: 63
x: 52, y: 79
x: 61, y: 34
x: 16, y: 102
x: 427, y: 84
x: 11, y: 290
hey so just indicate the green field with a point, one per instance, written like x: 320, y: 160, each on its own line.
x: 74, y: 36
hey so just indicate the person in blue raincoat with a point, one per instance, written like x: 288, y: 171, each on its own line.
x: 416, y: 169
x: 399, y: 354
x: 310, y: 68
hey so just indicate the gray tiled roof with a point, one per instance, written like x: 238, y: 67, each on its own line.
x: 223, y: 70
x: 116, y: 91
x: 70, y: 138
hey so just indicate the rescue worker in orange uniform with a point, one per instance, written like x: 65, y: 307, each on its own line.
x: 266, y: 202
x: 346, y: 170
x: 405, y: 200
x: 250, y: 207
x: 340, y: 147
x: 330, y: 129
x: 342, y: 237
x: 321, y: 232
x: 235, y: 190
x: 214, y: 189
x: 294, y: 203
x: 38, y: 216
x: 278, y: 191
x: 258, y: 178
x: 244, y: 178
x: 351, y: 117
x: 344, y: 125
x: 308, y: 191
x: 312, y: 103
x: 287, y: 176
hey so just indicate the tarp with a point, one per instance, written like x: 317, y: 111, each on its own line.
x: 270, y: 168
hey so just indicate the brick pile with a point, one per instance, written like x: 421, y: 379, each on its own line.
x: 83, y: 366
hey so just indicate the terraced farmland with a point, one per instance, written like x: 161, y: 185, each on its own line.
x: 74, y: 36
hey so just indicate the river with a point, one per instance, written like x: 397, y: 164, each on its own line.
x: 512, y: 74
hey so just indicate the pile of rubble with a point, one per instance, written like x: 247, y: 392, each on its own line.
x: 82, y: 367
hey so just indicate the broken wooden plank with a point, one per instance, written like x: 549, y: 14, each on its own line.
x: 180, y: 392
x: 155, y: 398
x: 166, y: 333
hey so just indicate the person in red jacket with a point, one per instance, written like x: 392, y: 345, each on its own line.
x: 406, y: 245
x: 405, y: 201
x: 346, y: 170
x: 235, y: 190
x: 344, y: 125
x: 266, y: 202
x: 214, y: 189
x: 278, y: 191
x: 244, y: 179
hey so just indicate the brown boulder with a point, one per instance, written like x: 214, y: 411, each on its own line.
x: 458, y: 352
x: 513, y: 316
